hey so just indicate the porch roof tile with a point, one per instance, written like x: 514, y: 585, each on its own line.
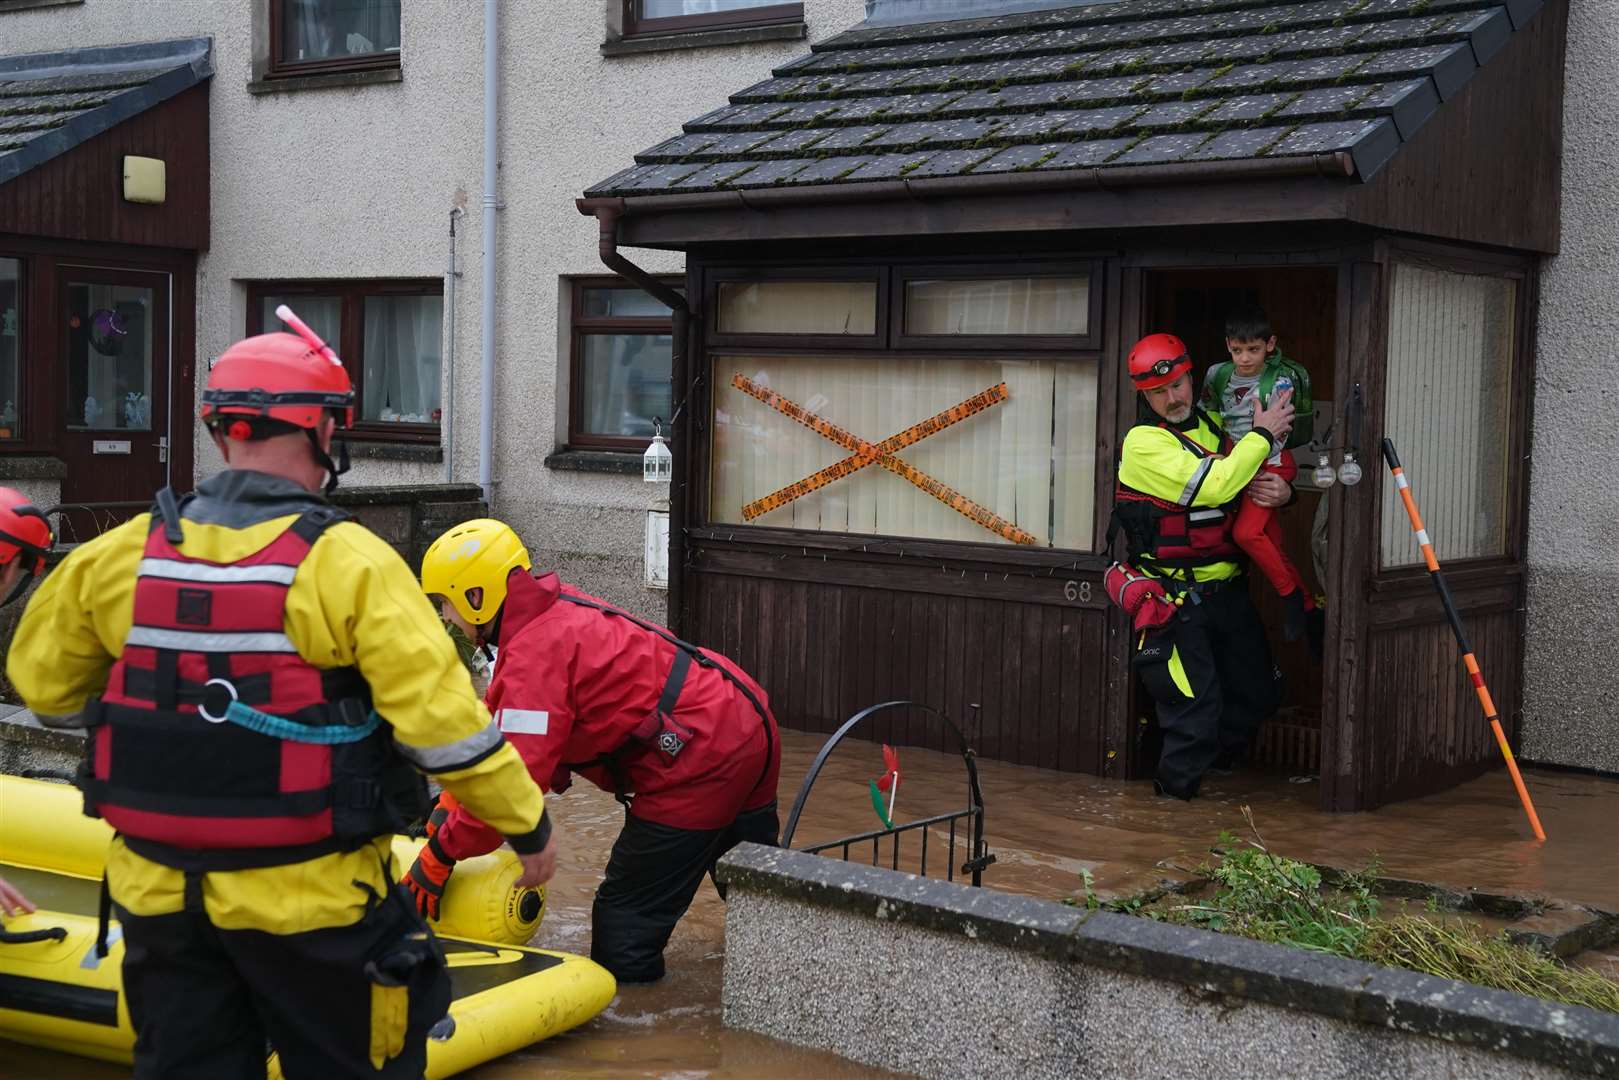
x: 1096, y: 85
x: 52, y: 102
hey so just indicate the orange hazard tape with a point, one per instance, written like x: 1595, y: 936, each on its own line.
x: 866, y: 453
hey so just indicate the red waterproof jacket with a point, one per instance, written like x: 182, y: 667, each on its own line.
x: 573, y: 683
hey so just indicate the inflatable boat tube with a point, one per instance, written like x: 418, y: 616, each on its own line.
x: 43, y: 827
x: 57, y: 994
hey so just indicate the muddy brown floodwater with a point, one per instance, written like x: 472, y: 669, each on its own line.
x: 1045, y: 828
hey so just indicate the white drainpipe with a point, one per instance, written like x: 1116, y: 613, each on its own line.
x: 447, y: 425
x: 491, y: 161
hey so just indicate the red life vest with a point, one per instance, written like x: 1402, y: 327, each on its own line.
x: 170, y: 768
x: 1160, y: 534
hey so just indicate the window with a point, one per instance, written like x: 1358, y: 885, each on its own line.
x: 677, y: 16
x: 990, y: 449
x: 10, y: 346
x: 798, y: 307
x: 1451, y: 342
x: 318, y: 37
x: 390, y: 335
x: 109, y: 356
x: 622, y: 340
x: 998, y: 306
x: 968, y: 413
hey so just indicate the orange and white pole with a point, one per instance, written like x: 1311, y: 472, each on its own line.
x: 1403, y: 486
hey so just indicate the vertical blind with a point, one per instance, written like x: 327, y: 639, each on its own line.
x: 1031, y: 458
x: 1448, y: 411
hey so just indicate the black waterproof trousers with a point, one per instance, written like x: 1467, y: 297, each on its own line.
x: 652, y: 876
x: 205, y: 1001
x: 1227, y: 667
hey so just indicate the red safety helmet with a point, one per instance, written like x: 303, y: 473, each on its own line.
x: 1158, y: 360
x: 278, y: 377
x: 25, y: 535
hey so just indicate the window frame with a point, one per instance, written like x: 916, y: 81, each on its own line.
x: 23, y: 428
x: 352, y: 293
x: 581, y: 326
x: 1428, y: 255
x: 877, y: 339
x: 635, y: 26
x: 1091, y: 340
x: 890, y: 301
x: 281, y: 68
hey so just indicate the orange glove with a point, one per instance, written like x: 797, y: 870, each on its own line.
x: 427, y: 877
x: 441, y: 813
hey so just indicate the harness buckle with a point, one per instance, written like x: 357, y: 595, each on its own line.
x: 207, y: 697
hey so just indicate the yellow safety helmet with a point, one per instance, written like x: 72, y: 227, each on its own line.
x: 477, y: 554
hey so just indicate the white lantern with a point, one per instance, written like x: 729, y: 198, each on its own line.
x: 1323, y: 474
x: 1349, y: 471
x: 657, y: 464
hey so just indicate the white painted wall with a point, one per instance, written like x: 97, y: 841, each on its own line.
x: 1571, y: 665
x: 359, y: 182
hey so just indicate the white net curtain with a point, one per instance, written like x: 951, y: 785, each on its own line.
x: 1449, y: 408
x: 1031, y: 459
x: 404, y: 352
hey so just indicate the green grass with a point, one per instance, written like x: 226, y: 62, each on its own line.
x: 1261, y: 895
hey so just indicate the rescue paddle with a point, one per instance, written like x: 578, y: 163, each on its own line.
x: 1468, y: 660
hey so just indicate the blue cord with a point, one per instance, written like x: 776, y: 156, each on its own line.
x: 282, y: 728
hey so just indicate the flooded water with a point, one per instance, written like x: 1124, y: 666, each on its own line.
x: 1045, y: 828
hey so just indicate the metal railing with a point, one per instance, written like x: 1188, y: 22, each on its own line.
x: 970, y: 819
x: 70, y: 532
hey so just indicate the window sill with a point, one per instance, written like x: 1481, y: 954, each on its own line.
x: 293, y: 83
x: 701, y: 39
x: 595, y: 461
x: 32, y: 466
x: 389, y: 451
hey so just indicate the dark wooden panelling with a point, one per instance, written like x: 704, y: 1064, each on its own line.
x: 1431, y: 732
x: 80, y: 195
x: 1498, y: 147
x: 1037, y: 669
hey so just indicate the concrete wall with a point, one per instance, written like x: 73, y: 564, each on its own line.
x: 942, y: 980
x: 360, y: 181
x: 1571, y: 663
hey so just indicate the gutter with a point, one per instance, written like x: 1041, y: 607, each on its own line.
x: 607, y: 215
x: 1337, y: 165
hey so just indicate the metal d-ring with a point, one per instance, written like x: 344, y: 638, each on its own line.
x: 202, y: 706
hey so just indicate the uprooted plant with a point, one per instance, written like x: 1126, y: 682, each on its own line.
x: 1262, y: 895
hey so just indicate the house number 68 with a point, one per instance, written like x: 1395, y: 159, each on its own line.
x: 1077, y: 590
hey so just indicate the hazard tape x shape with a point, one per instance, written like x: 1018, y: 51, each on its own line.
x: 866, y: 453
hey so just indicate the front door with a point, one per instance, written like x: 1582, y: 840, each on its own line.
x: 114, y: 337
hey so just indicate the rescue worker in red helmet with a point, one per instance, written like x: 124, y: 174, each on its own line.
x: 1208, y: 668
x: 681, y: 735
x: 25, y: 537
x: 263, y: 684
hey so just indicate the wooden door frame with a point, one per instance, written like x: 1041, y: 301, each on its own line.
x: 44, y: 390
x: 1368, y: 596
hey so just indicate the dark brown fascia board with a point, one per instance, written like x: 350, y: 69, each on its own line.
x: 680, y: 220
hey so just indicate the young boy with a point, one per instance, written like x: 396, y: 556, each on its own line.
x: 1234, y: 388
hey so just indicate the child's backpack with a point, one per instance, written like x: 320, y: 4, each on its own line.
x: 1276, y: 365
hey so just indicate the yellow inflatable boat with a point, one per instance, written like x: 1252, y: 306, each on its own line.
x: 56, y: 993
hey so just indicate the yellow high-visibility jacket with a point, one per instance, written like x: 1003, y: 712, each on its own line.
x: 1154, y: 461
x: 355, y: 603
